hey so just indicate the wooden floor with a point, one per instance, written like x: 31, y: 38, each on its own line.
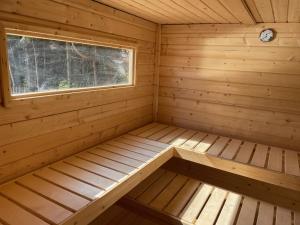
x: 255, y: 154
x: 79, y: 188
x: 178, y: 199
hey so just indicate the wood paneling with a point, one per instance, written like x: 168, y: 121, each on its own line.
x: 38, y: 131
x: 221, y: 78
x: 211, y: 11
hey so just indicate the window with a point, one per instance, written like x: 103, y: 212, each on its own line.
x: 38, y: 65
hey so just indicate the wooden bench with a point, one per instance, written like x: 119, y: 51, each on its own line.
x: 178, y: 199
x: 79, y: 188
x: 250, y: 153
x: 265, y: 172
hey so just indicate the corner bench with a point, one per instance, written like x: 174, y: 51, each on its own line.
x: 77, y: 189
x: 265, y: 172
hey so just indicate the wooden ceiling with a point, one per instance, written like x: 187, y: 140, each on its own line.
x: 210, y: 11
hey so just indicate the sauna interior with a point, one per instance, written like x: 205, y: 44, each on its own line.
x: 150, y: 112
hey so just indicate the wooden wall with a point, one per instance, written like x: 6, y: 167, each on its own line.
x: 222, y: 79
x: 38, y: 131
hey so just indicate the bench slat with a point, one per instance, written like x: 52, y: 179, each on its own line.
x: 138, y: 190
x: 192, y: 209
x: 53, y: 192
x: 265, y: 214
x: 107, y: 162
x: 126, y: 140
x: 116, y: 157
x: 167, y: 194
x: 15, y: 215
x: 212, y: 208
x: 183, y: 196
x: 230, y: 209
x: 95, y: 168
x: 35, y: 203
x: 69, y: 183
x: 83, y: 175
x: 127, y: 153
x: 206, y: 143
x: 247, y: 213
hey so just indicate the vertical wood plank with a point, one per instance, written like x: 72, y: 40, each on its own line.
x: 156, y: 71
x: 4, y: 71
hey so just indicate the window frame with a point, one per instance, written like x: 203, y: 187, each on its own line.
x: 105, y: 40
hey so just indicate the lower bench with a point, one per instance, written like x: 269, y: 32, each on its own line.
x: 178, y: 199
x: 79, y: 188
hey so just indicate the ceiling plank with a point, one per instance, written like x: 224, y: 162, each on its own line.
x: 178, y: 7
x: 252, y: 7
x: 162, y: 9
x: 121, y: 5
x: 145, y: 9
x: 199, y: 5
x: 265, y: 10
x: 294, y: 11
x: 239, y: 10
x: 195, y: 11
x: 216, y: 6
x: 280, y: 9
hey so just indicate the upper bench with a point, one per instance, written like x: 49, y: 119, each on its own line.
x: 79, y: 188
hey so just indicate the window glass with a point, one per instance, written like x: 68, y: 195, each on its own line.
x: 41, y: 65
